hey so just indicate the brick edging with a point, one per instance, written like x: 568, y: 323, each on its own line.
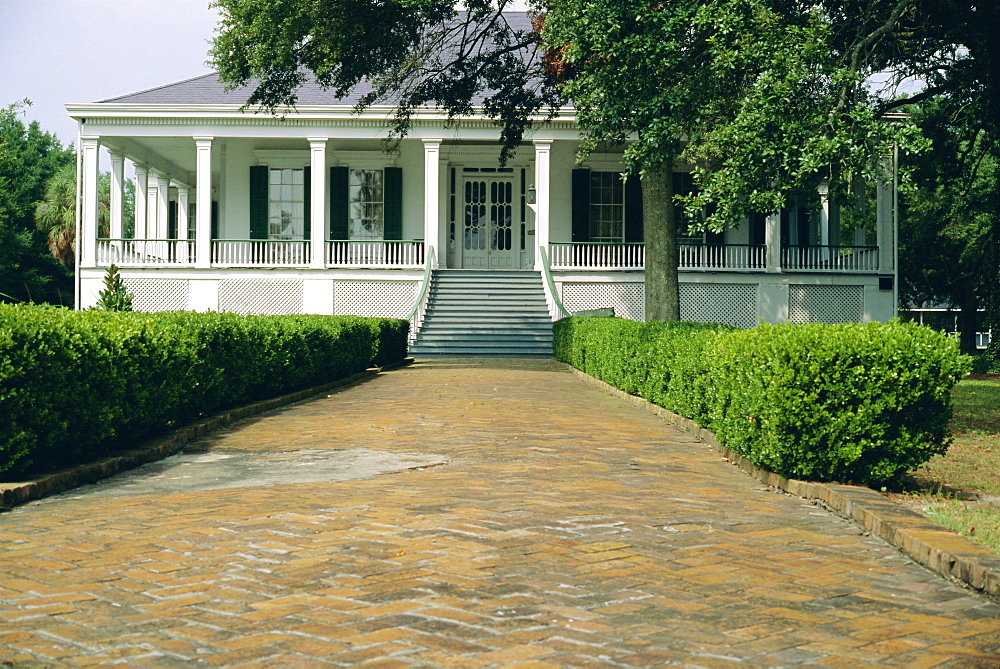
x: 927, y: 542
x: 15, y: 493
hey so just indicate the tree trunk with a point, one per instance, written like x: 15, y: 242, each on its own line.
x: 660, y: 233
x: 968, y: 320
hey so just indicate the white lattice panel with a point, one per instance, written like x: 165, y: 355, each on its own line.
x: 269, y: 297
x: 729, y: 303
x: 627, y: 299
x: 158, y: 294
x: 388, y: 299
x: 825, y: 304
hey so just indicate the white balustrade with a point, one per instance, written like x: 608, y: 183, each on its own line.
x: 830, y: 258
x: 375, y: 253
x: 144, y: 252
x: 632, y: 256
x: 260, y: 252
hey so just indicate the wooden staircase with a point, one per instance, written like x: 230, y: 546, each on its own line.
x: 473, y: 313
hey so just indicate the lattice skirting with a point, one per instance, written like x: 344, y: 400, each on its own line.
x: 825, y: 304
x: 627, y: 299
x: 158, y: 294
x: 387, y: 299
x: 270, y: 297
x: 729, y: 303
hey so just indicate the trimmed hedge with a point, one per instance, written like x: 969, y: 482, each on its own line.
x: 75, y: 386
x: 860, y: 403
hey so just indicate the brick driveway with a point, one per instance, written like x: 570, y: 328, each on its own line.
x: 564, y: 528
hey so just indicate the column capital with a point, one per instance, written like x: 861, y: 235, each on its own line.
x: 200, y: 139
x: 315, y: 141
x: 432, y: 143
x: 542, y: 143
x: 116, y: 155
x: 90, y: 140
x: 140, y: 168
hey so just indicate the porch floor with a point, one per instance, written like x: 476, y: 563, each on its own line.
x: 530, y: 518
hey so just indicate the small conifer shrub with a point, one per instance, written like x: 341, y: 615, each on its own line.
x: 115, y: 296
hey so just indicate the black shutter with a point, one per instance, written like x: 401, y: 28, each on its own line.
x: 393, y: 211
x: 306, y: 202
x: 633, y: 209
x: 258, y: 203
x: 581, y: 205
x: 338, y: 203
x: 215, y: 219
x: 758, y: 225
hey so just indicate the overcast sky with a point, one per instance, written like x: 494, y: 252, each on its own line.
x: 58, y: 51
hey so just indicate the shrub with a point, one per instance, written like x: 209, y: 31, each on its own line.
x: 863, y: 403
x: 78, y: 385
x: 988, y: 362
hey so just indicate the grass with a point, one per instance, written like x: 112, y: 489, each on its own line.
x: 961, y: 489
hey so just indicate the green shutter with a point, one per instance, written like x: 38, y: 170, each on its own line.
x: 215, y: 219
x: 338, y: 203
x: 172, y: 219
x: 306, y: 202
x: 633, y: 209
x: 393, y: 211
x: 581, y: 205
x: 258, y: 202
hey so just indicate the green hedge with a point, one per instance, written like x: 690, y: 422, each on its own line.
x: 75, y: 386
x: 861, y: 403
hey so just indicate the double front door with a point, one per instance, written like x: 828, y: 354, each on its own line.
x: 493, y: 222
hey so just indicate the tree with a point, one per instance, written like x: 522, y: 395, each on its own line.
x: 115, y: 295
x: 28, y: 157
x: 770, y: 97
x: 55, y: 215
x: 949, y: 227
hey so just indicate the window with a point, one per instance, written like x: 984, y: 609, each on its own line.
x: 366, y: 193
x: 286, y: 200
x: 607, y: 207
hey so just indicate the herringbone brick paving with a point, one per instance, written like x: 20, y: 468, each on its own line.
x: 567, y: 528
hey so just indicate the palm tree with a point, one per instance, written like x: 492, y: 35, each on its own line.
x: 55, y: 215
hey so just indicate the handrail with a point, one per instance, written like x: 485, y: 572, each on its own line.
x: 416, y: 315
x: 551, y: 295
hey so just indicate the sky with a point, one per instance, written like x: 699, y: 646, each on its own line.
x: 59, y: 51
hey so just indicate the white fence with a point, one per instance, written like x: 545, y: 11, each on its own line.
x: 144, y: 252
x: 396, y: 254
x: 632, y: 256
x: 830, y: 258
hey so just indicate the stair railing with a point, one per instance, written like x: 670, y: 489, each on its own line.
x: 555, y: 305
x: 416, y: 316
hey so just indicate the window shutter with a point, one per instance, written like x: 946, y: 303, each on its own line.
x: 172, y: 219
x: 581, y: 205
x: 306, y: 202
x: 393, y: 210
x: 633, y: 209
x: 338, y: 203
x: 258, y: 202
x: 215, y: 219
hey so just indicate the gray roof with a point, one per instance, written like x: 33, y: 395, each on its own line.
x: 208, y: 90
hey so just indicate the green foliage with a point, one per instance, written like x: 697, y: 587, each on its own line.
x: 28, y: 158
x: 988, y: 362
x: 115, y: 296
x: 862, y: 403
x: 79, y: 385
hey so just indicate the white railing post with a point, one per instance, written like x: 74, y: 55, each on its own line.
x: 317, y: 201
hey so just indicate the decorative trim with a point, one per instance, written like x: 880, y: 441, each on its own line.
x: 282, y: 158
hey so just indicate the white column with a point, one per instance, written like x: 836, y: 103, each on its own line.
x: 432, y: 197
x: 117, y: 193
x: 203, y: 202
x: 317, y: 202
x: 543, y: 196
x: 88, y: 214
x: 182, y: 211
x: 772, y: 238
x: 162, y: 206
x: 141, y: 207
x: 885, y: 223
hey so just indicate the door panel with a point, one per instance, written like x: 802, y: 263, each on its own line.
x: 488, y: 239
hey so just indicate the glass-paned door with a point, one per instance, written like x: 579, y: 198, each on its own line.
x: 488, y: 235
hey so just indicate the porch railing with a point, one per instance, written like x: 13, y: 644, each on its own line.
x: 600, y: 256
x: 830, y: 258
x: 722, y: 256
x: 375, y: 253
x: 145, y: 252
x: 596, y: 255
x: 260, y: 252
